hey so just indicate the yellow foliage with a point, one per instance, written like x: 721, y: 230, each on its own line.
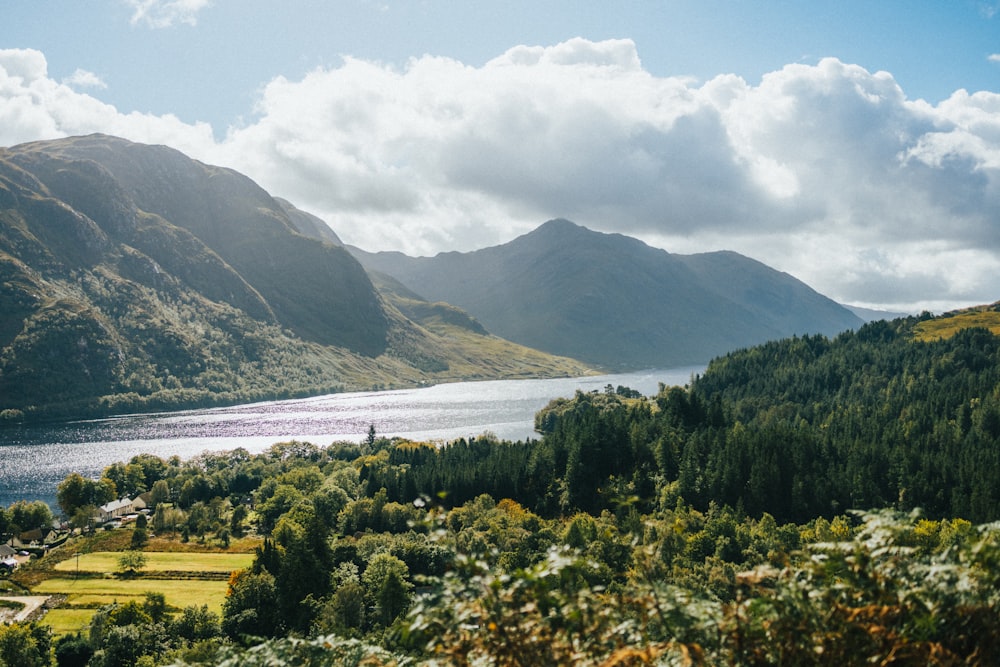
x: 947, y: 326
x: 926, y: 532
x: 410, y: 445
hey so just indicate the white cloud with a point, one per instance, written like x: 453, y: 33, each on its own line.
x: 34, y: 106
x: 23, y: 66
x: 994, y: 57
x: 828, y: 172
x: 619, y: 54
x: 81, y: 78
x: 165, y: 13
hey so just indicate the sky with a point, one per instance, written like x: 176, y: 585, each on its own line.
x: 852, y: 144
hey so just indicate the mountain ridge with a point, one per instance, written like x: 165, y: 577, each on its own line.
x: 614, y: 301
x: 133, y: 278
x: 245, y: 227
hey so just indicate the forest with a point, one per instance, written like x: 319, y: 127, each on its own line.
x: 810, y: 501
x: 799, y: 428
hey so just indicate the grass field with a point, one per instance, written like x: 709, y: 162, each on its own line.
x: 178, y: 593
x: 948, y: 326
x: 107, y: 562
x: 200, y: 581
x: 67, y: 620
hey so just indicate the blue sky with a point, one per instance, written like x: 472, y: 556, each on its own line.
x: 211, y: 70
x: 853, y: 144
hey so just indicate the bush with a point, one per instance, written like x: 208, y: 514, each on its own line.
x: 871, y: 599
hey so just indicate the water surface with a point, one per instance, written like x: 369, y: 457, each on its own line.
x: 34, y: 459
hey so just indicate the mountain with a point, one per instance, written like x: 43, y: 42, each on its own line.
x: 133, y: 277
x: 307, y: 223
x: 614, y: 301
x: 197, y: 215
x: 872, y: 315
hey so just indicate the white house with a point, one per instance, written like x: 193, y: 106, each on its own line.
x: 115, y: 509
x: 7, y: 557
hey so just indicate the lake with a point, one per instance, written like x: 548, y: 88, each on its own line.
x: 34, y: 459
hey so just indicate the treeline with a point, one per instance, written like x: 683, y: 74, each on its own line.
x: 203, y: 494
x: 799, y: 428
x: 24, y: 516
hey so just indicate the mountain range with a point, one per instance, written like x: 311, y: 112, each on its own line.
x: 613, y: 301
x: 133, y: 277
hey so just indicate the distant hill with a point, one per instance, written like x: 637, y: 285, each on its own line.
x: 873, y: 315
x: 133, y: 277
x: 614, y: 301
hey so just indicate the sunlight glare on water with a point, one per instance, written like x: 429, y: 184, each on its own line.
x: 33, y: 460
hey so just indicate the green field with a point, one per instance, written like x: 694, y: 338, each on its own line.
x: 67, y: 620
x: 86, y: 593
x: 179, y: 593
x: 156, y: 561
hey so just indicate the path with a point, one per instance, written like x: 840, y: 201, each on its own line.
x: 30, y: 602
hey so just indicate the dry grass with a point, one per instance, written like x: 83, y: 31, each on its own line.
x: 172, y: 543
x: 178, y: 593
x: 178, y: 561
x: 947, y: 326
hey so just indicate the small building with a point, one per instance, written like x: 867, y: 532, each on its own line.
x: 115, y: 509
x: 29, y: 538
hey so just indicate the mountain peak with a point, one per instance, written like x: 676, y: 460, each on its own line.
x: 554, y: 230
x: 559, y: 224
x: 615, y: 301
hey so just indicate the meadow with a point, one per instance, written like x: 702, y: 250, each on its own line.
x: 88, y: 581
x: 106, y: 562
x: 946, y: 326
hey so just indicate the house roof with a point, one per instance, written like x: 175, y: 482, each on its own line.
x: 6, y: 551
x: 116, y: 505
x: 31, y: 535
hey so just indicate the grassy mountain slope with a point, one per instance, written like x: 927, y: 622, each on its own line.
x: 235, y: 219
x: 133, y: 278
x: 307, y: 223
x: 949, y: 324
x: 614, y: 301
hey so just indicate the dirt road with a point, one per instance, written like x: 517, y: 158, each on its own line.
x: 30, y: 602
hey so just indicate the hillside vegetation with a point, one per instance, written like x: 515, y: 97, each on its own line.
x: 798, y: 428
x: 133, y: 278
x: 949, y: 324
x: 805, y: 502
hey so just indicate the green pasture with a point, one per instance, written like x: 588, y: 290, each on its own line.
x: 67, y: 620
x: 178, y: 593
x: 86, y: 593
x: 160, y: 561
